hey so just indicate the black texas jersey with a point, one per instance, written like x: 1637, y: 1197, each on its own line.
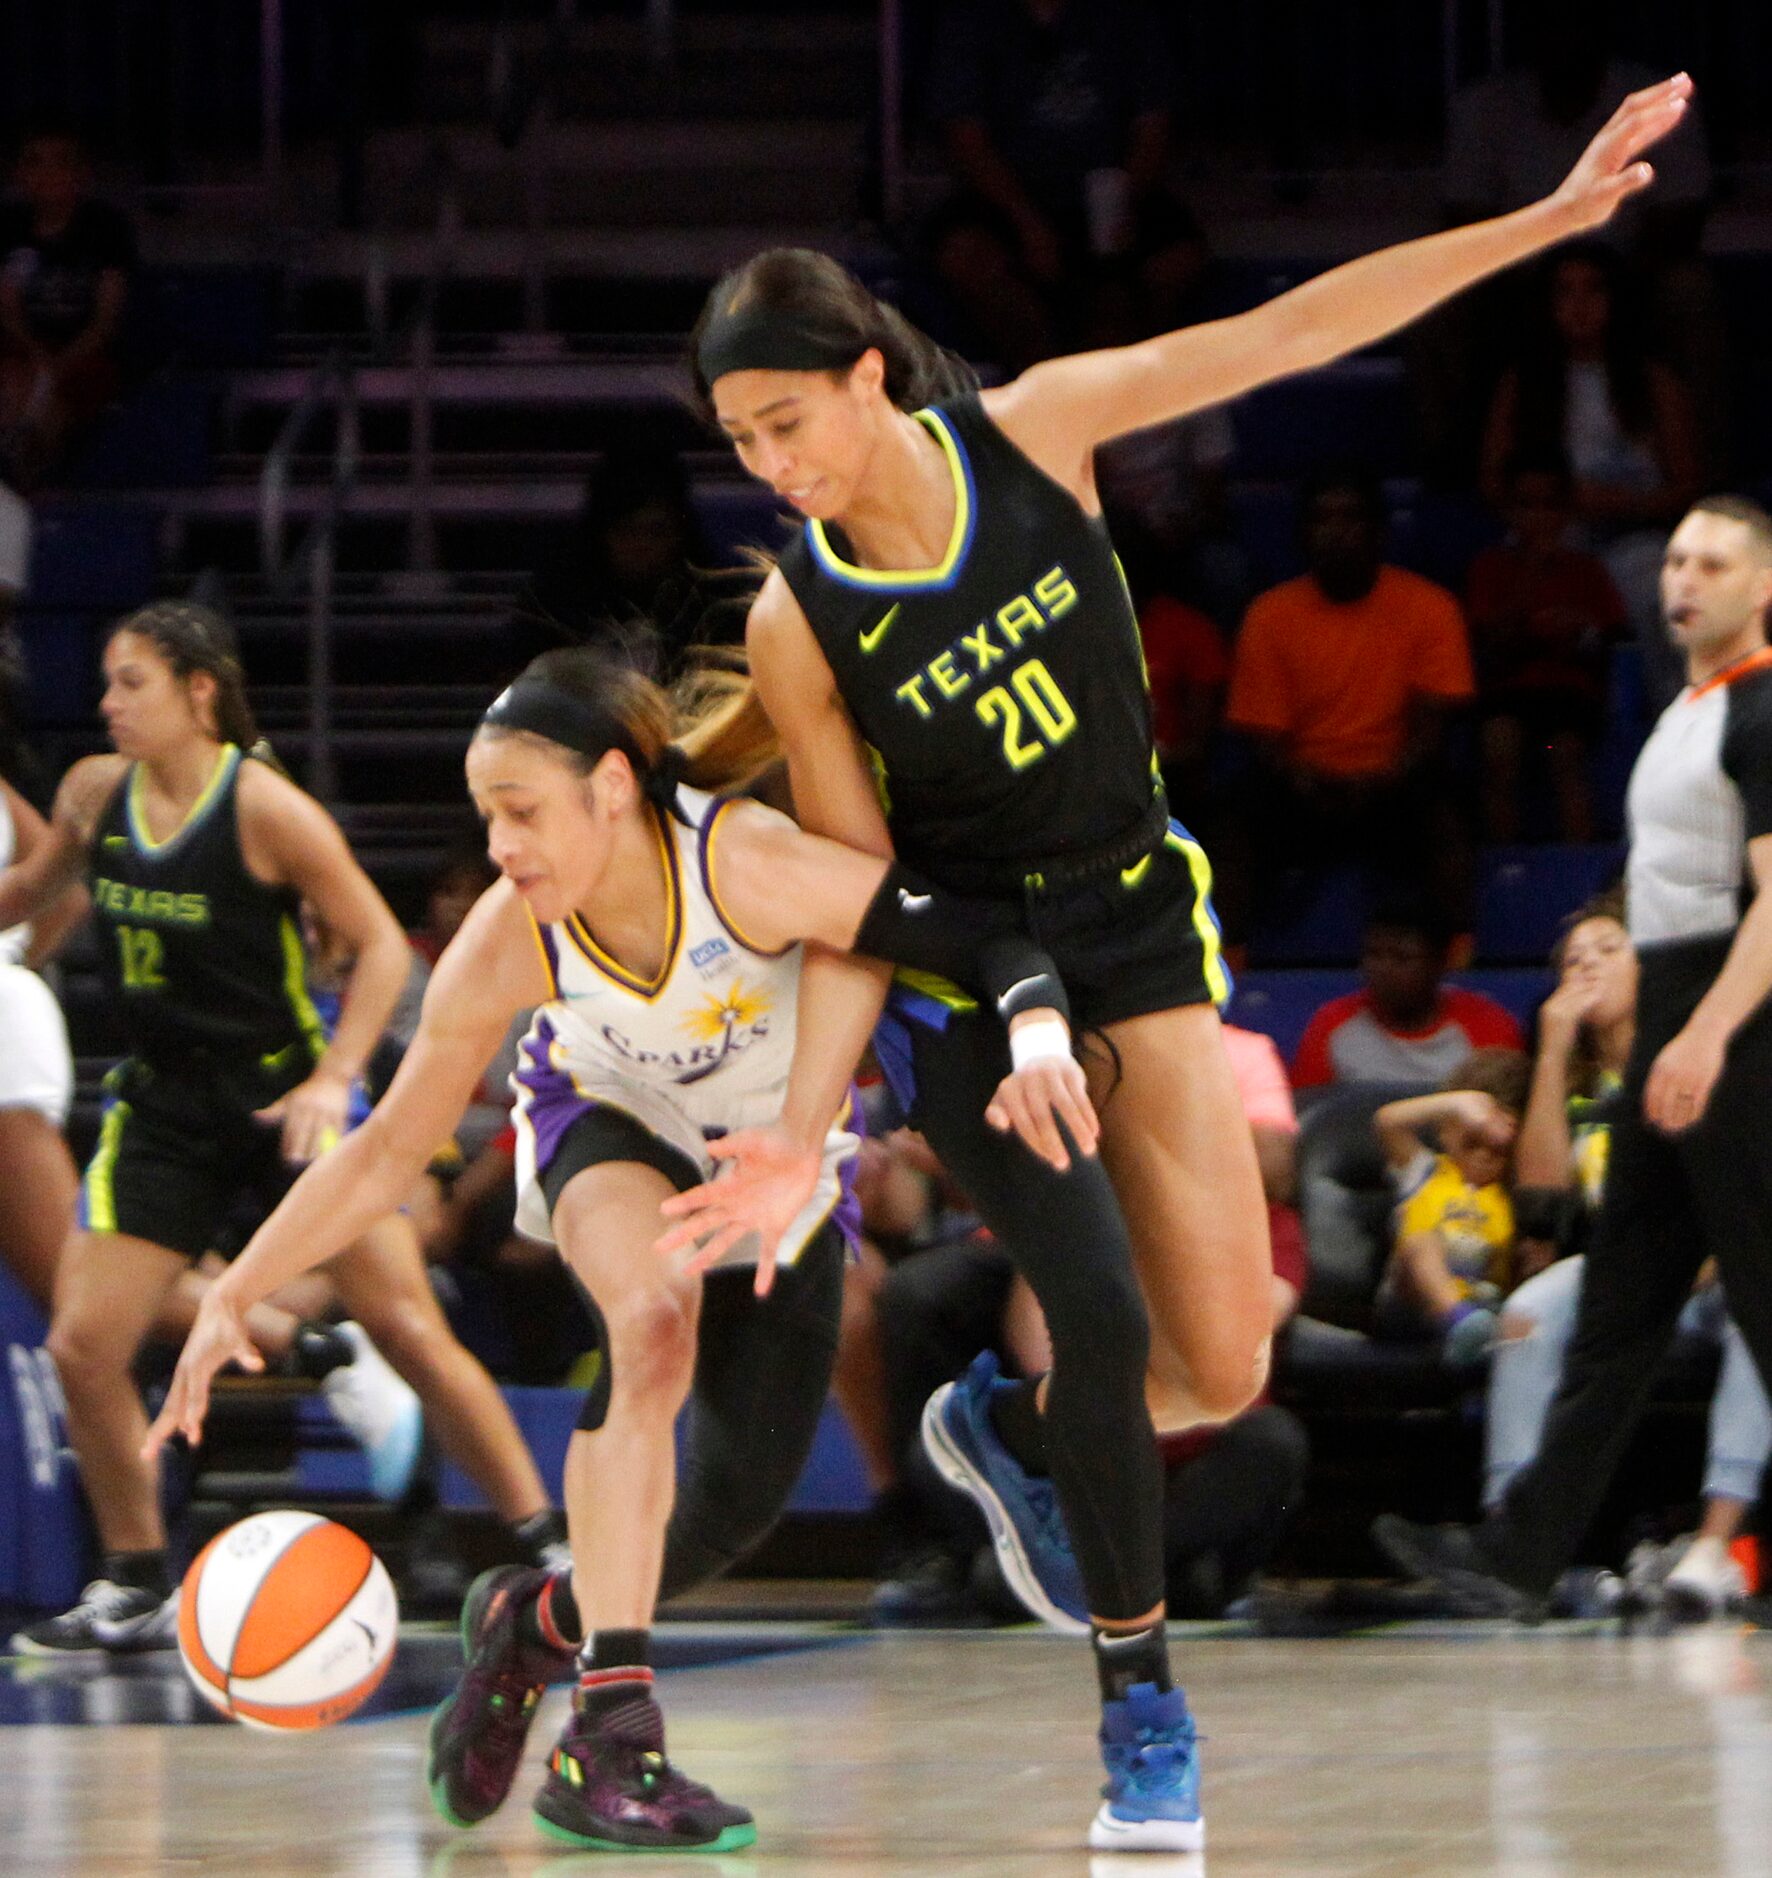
x: 1002, y: 691
x: 196, y: 953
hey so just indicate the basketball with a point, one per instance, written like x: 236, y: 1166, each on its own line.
x: 287, y: 1620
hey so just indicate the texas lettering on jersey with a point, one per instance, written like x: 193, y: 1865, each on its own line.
x: 993, y: 641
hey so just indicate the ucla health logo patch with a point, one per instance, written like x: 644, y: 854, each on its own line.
x: 709, y: 953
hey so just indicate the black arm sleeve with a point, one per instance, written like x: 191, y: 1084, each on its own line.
x: 979, y: 944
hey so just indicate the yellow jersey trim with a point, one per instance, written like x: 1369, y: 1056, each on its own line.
x: 613, y: 969
x: 101, y: 1195
x: 295, y: 988
x: 959, y: 538
x: 226, y: 762
x: 707, y: 874
x: 1211, y: 945
x: 547, y: 964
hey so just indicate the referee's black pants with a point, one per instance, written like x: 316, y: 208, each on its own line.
x: 1671, y: 1202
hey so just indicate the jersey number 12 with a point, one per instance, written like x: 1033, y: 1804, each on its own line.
x: 141, y: 950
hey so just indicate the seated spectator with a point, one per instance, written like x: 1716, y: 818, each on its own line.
x: 1453, y: 1233
x: 638, y: 570
x: 1512, y: 134
x: 1342, y: 681
x: 1405, y: 1024
x: 65, y: 262
x: 1543, y: 614
x: 1062, y: 229
x: 1186, y: 664
x: 1585, y: 1031
x: 1584, y: 386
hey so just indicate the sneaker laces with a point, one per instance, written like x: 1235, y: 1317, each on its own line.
x: 635, y: 1729
x: 106, y: 1599
x: 1160, y: 1754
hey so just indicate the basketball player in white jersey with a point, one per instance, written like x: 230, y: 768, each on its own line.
x: 654, y: 930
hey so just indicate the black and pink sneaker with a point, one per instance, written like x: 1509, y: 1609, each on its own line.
x: 610, y: 1789
x: 477, y: 1735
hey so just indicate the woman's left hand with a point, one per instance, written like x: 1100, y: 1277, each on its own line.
x: 1608, y: 171
x: 312, y: 1116
x: 1681, y: 1080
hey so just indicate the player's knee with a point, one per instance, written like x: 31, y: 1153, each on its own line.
x: 1100, y: 1325
x: 1229, y: 1377
x: 85, y: 1358
x: 407, y: 1335
x: 651, y: 1345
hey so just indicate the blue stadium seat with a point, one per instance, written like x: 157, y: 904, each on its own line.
x: 157, y: 437
x: 204, y: 315
x: 1358, y: 409
x: 92, y: 554
x: 1280, y: 1003
x: 1520, y: 989
x: 1323, y: 919
x: 1525, y: 894
x: 736, y: 516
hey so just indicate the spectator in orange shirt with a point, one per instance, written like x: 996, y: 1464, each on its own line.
x: 1343, y: 680
x: 1187, y: 665
x: 1542, y: 614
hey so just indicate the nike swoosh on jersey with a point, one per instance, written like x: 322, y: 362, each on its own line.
x: 914, y: 902
x: 871, y: 638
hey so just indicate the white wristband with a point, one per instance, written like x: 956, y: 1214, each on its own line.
x: 1045, y: 1038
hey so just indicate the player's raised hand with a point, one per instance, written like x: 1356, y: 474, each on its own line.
x: 765, y: 1181
x: 217, y: 1338
x: 1610, y: 169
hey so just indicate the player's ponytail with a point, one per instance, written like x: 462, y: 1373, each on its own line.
x: 800, y: 310
x: 192, y: 638
x: 710, y: 733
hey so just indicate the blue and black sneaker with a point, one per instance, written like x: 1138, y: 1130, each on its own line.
x: 1027, y: 1528
x: 1151, y: 1802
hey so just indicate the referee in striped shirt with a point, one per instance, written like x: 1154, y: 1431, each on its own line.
x: 1690, y: 1172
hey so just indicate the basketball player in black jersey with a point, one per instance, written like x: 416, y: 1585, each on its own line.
x: 197, y: 859
x: 952, y: 662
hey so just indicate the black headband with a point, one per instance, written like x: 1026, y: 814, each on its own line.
x: 758, y: 339
x: 577, y: 723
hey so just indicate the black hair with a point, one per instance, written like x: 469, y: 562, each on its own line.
x: 1355, y: 479
x: 192, y: 638
x: 826, y: 301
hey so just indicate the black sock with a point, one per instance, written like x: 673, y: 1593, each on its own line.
x: 538, y: 1532
x: 1126, y: 1657
x: 552, y: 1619
x: 319, y: 1349
x: 613, y: 1667
x: 142, y: 1571
x: 1015, y: 1414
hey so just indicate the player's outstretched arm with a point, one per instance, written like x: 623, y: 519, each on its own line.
x: 1058, y: 412
x: 783, y: 884
x: 488, y: 972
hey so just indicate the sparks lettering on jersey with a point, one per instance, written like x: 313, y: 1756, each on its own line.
x: 950, y: 674
x: 153, y: 906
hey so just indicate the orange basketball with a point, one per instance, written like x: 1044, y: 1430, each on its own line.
x: 287, y: 1620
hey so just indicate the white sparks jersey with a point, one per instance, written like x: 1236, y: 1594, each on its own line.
x: 700, y: 1051
x: 15, y: 941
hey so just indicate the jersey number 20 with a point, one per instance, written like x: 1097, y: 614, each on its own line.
x: 1050, y: 709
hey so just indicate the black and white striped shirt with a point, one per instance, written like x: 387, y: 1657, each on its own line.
x: 1700, y: 792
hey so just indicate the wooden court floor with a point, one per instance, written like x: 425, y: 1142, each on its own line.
x: 1437, y: 1753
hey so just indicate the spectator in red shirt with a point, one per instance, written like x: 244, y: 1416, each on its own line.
x: 1406, y: 1025
x: 1542, y: 614
x: 1187, y: 665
